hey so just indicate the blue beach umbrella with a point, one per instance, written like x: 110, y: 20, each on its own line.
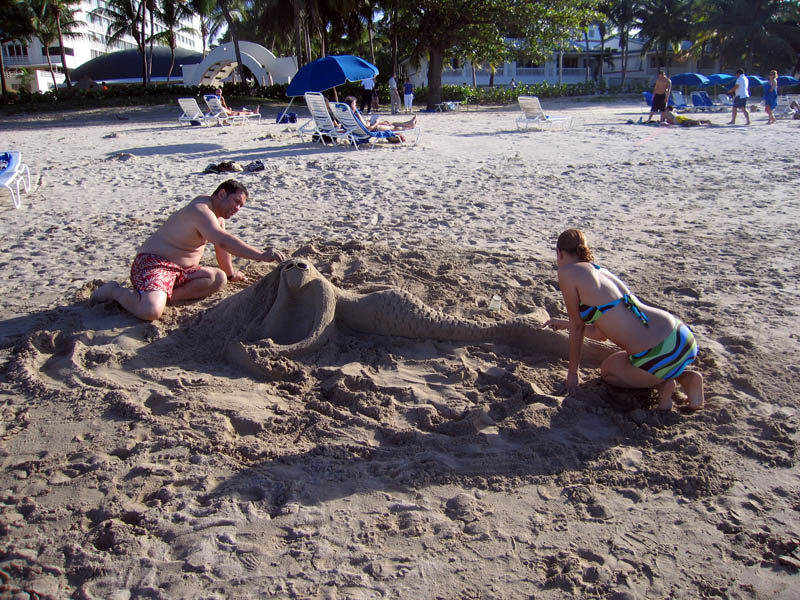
x: 756, y: 80
x: 330, y: 71
x: 721, y: 79
x: 787, y: 80
x: 689, y: 79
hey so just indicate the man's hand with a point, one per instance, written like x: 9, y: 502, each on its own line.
x: 572, y: 383
x: 272, y: 254
x: 237, y: 276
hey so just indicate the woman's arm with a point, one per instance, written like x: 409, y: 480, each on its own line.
x: 577, y: 328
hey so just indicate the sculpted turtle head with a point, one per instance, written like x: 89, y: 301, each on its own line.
x: 296, y: 272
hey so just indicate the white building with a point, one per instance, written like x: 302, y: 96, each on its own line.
x: 91, y: 41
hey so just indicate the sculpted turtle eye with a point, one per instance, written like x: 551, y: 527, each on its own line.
x: 300, y: 265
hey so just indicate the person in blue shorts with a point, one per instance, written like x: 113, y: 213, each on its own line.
x: 740, y: 92
x: 656, y: 346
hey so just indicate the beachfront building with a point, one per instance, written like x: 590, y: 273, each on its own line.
x: 90, y: 41
x: 578, y: 61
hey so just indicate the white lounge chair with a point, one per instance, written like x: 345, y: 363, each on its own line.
x: 217, y: 111
x: 355, y: 132
x: 321, y: 123
x: 533, y: 115
x: 14, y: 172
x: 724, y: 100
x: 192, y: 113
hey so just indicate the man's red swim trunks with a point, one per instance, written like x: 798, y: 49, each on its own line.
x: 150, y: 272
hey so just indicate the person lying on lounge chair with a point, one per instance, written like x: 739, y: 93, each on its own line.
x: 230, y: 111
x: 380, y: 125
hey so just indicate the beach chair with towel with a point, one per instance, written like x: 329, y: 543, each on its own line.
x: 356, y: 133
x: 192, y: 115
x: 533, y: 115
x: 13, y: 172
x: 217, y: 111
x: 321, y: 127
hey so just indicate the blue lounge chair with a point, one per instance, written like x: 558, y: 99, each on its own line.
x: 698, y: 103
x: 678, y: 102
x: 648, y: 99
x: 710, y: 104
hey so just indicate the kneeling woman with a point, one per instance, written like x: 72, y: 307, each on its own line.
x: 657, y: 347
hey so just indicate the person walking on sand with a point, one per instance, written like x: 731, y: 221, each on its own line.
x: 166, y: 266
x: 408, y: 95
x: 771, y: 96
x: 661, y: 91
x: 740, y: 92
x: 656, y: 347
x: 393, y: 93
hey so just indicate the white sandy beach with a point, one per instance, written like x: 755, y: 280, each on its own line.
x: 137, y: 465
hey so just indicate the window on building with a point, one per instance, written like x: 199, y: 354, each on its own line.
x: 570, y: 62
x: 15, y: 50
x: 56, y: 51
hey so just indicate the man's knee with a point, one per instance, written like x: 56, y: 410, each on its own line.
x: 219, y: 280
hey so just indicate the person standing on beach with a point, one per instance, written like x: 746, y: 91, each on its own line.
x: 166, y: 266
x: 656, y: 346
x: 395, y: 96
x: 771, y: 96
x: 661, y: 91
x: 740, y: 92
x: 366, y: 94
x: 408, y: 95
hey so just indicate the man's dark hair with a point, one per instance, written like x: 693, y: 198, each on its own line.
x: 739, y: 72
x: 231, y: 186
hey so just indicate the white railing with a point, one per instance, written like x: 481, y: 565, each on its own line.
x: 16, y: 61
x: 523, y: 71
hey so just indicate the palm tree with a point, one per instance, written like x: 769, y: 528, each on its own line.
x: 664, y: 24
x: 125, y: 16
x: 229, y: 10
x: 44, y: 28
x: 171, y: 16
x: 63, y: 13
x: 621, y: 15
x: 209, y: 24
x: 744, y: 30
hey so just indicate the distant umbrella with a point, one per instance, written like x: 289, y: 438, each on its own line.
x: 330, y: 71
x: 787, y: 80
x: 756, y: 80
x: 721, y: 79
x: 689, y: 79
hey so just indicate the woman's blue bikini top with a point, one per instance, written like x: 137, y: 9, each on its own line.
x: 590, y: 314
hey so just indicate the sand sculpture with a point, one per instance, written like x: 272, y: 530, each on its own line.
x: 294, y: 310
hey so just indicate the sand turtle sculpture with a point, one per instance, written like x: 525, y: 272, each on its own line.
x: 294, y: 311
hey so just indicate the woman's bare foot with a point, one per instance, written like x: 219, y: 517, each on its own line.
x: 692, y: 384
x: 104, y: 293
x: 665, y: 391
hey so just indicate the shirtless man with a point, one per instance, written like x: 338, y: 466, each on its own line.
x: 661, y: 92
x: 166, y: 266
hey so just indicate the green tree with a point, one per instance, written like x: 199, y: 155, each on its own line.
x: 664, y: 24
x: 64, y: 13
x: 762, y: 33
x: 437, y: 26
x: 125, y: 17
x: 210, y: 23
x: 16, y: 24
x: 172, y: 14
x: 621, y: 14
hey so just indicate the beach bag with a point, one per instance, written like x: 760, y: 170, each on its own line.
x: 288, y: 117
